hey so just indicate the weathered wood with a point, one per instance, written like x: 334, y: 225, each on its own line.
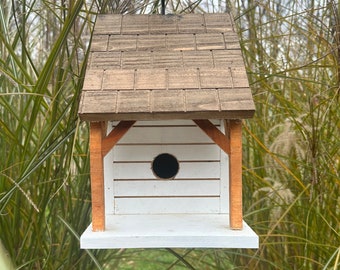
x: 115, y: 135
x: 215, y: 78
x: 99, y: 43
x: 147, y: 67
x: 210, y: 42
x: 234, y: 135
x: 183, y: 78
x: 218, y: 22
x: 121, y: 43
x: 134, y: 24
x: 150, y: 79
x: 167, y: 42
x: 130, y: 60
x: 162, y: 104
x: 118, y: 80
x: 191, y: 24
x: 108, y: 25
x: 97, y: 176
x: 179, y: 42
x: 163, y: 24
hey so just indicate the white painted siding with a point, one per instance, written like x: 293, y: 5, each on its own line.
x: 200, y: 186
x: 158, y: 188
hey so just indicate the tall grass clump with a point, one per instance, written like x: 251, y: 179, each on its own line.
x: 292, y: 152
x: 291, y: 146
x: 44, y: 182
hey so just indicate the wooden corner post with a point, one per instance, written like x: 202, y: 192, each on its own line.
x: 97, y: 130
x: 100, y: 145
x: 234, y: 136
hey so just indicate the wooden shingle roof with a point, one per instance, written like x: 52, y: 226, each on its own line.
x: 152, y: 67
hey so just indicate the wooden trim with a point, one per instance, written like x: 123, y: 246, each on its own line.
x: 97, y: 176
x: 169, y: 231
x: 100, y: 145
x: 214, y: 133
x: 234, y: 136
x: 231, y: 143
x: 115, y: 135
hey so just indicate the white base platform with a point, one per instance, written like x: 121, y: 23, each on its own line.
x: 169, y: 231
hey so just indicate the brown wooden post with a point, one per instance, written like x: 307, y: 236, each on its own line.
x: 234, y: 135
x: 97, y: 175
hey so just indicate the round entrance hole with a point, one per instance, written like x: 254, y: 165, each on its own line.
x: 165, y: 166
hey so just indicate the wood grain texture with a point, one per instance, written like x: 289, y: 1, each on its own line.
x: 234, y: 135
x: 147, y: 67
x: 97, y: 176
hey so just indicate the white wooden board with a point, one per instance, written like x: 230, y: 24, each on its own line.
x: 187, y: 170
x: 158, y: 188
x: 165, y: 135
x: 183, y: 152
x: 169, y: 231
x: 164, y: 205
x: 200, y: 186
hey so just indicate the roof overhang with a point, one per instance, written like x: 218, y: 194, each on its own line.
x: 153, y: 67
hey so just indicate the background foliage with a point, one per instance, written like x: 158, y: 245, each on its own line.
x: 291, y: 158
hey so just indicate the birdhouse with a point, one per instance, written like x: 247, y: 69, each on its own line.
x: 165, y: 96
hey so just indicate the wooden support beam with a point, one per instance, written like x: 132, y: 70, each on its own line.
x: 97, y: 176
x: 214, y: 133
x: 234, y: 136
x: 115, y: 135
x: 231, y: 143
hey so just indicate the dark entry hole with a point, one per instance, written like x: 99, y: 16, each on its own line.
x: 165, y: 166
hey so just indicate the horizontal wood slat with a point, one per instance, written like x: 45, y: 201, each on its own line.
x: 165, y: 135
x: 167, y: 188
x: 163, y: 104
x: 165, y: 60
x: 166, y: 205
x: 188, y: 170
x: 202, y: 171
x: 109, y: 24
x: 183, y: 152
x: 166, y: 42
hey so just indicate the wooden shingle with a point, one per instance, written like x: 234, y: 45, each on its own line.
x: 148, y: 67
